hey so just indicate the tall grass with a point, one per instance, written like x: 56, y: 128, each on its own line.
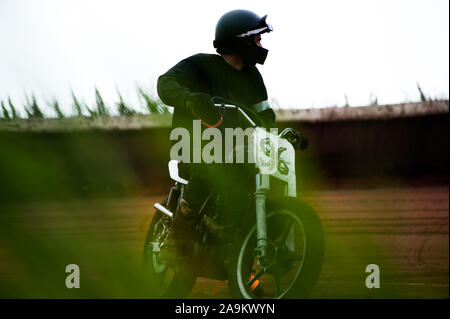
x: 33, y: 110
x: 422, y: 95
x: 123, y: 108
x: 101, y: 107
x: 14, y: 113
x: 5, y: 112
x: 152, y: 105
x: 76, y: 106
x: 57, y: 109
x: 346, y: 101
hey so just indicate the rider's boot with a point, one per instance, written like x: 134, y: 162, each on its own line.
x: 178, y: 247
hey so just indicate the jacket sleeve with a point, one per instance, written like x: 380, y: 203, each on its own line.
x: 265, y: 112
x: 268, y: 117
x: 263, y: 108
x: 175, y: 85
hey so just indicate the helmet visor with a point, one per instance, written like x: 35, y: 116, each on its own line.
x: 263, y: 27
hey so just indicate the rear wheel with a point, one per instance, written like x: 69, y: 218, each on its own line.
x: 166, y: 281
x: 296, y: 250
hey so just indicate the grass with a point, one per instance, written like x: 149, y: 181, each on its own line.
x: 33, y: 110
x: 152, y: 105
x: 123, y: 108
x: 57, y: 109
x: 76, y: 106
x: 5, y: 112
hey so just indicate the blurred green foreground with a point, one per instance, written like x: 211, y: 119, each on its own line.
x: 86, y: 198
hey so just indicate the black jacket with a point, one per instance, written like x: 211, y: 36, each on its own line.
x: 210, y: 73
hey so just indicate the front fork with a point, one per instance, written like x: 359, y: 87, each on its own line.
x: 262, y: 188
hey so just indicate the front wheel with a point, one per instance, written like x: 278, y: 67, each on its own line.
x: 295, y: 249
x: 165, y: 281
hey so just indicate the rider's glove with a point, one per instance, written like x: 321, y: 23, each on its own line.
x: 303, y: 143
x: 295, y: 138
x: 199, y: 104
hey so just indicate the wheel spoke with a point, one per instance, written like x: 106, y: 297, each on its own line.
x: 285, y: 232
x: 277, y: 286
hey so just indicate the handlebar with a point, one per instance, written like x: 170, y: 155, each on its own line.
x: 230, y: 106
x: 251, y: 117
x: 293, y: 136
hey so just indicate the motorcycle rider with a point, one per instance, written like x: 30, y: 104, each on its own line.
x: 189, y: 86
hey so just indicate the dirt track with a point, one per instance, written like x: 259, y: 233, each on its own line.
x: 402, y: 230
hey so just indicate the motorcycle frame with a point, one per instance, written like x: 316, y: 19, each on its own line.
x: 267, y: 161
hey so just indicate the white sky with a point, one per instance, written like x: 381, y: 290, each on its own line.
x: 320, y: 50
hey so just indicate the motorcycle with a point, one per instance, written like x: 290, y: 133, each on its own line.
x: 272, y: 248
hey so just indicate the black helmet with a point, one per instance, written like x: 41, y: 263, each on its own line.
x: 235, y: 33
